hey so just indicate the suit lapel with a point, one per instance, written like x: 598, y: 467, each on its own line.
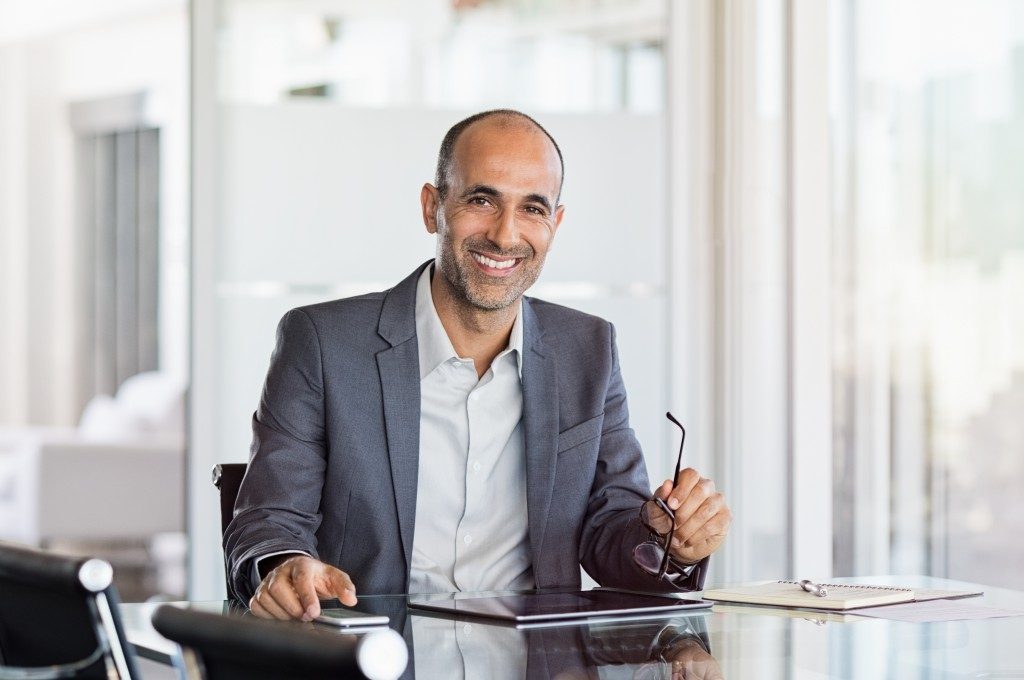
x: 540, y: 430
x: 400, y: 387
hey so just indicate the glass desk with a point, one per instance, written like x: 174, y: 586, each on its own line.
x: 730, y: 641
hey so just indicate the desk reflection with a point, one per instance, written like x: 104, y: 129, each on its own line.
x: 675, y: 648
x: 763, y: 642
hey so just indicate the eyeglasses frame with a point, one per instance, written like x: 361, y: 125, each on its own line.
x: 666, y: 559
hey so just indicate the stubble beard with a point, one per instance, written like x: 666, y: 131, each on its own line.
x: 472, y: 286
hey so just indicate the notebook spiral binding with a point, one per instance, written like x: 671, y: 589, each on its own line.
x: 849, y: 585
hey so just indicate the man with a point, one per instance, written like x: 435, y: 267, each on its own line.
x: 450, y: 433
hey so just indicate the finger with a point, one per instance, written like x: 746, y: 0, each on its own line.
x: 689, y: 505
x: 689, y: 660
x: 303, y: 583
x: 656, y: 518
x: 257, y: 609
x: 284, y: 594
x: 664, y: 490
x: 341, y: 587
x: 686, y: 480
x: 705, y: 539
x: 706, y: 668
x: 272, y: 608
x: 701, y: 515
x: 711, y: 534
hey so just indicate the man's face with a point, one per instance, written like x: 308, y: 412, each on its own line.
x: 497, y: 221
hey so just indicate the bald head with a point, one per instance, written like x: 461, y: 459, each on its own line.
x: 501, y: 118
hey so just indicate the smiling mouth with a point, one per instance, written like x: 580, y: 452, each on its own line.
x: 492, y: 263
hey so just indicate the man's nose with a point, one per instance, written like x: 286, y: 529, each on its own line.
x: 504, y: 233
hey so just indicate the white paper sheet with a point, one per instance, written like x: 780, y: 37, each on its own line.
x: 921, y: 594
x: 936, y: 610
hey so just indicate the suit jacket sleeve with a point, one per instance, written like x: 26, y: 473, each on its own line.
x: 612, y: 527
x: 278, y: 505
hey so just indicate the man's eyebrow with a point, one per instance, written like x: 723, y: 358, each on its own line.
x: 482, y: 189
x: 540, y: 198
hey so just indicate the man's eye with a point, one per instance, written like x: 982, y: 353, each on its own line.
x: 534, y: 210
x: 479, y: 200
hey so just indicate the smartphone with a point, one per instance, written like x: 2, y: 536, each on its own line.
x: 350, y: 618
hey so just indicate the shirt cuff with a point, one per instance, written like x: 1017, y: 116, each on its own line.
x: 688, y: 577
x: 255, y: 575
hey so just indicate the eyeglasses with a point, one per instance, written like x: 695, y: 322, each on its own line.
x: 653, y: 556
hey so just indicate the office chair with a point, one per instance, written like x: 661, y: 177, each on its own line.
x: 227, y: 477
x: 243, y: 647
x: 59, y: 618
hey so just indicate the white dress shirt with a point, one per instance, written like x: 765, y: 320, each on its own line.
x: 471, y: 521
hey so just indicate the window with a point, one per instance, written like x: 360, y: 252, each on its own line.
x: 928, y: 275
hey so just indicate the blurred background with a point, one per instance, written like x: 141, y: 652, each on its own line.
x: 804, y: 218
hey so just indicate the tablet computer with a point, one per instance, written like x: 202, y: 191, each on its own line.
x: 560, y: 606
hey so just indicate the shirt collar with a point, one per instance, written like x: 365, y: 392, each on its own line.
x: 435, y: 347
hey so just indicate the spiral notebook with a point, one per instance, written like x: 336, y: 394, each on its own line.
x: 790, y: 594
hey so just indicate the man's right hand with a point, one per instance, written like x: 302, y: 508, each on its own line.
x: 294, y: 588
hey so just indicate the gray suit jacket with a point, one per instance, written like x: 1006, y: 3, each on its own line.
x: 333, y: 466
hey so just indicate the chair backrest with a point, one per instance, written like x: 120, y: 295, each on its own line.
x: 59, y: 617
x: 227, y: 477
x: 237, y: 647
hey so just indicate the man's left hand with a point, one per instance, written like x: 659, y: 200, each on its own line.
x: 701, y: 513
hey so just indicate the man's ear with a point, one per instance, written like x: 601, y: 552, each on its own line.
x: 430, y: 202
x: 559, y: 214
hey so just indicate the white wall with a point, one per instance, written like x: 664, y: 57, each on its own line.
x: 13, y: 239
x: 52, y: 54
x: 21, y: 21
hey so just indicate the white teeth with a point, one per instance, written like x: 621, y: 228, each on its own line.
x: 493, y: 264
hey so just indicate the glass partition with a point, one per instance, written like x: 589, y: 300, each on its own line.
x: 317, y: 124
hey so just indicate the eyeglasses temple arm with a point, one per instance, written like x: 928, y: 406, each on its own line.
x: 679, y: 459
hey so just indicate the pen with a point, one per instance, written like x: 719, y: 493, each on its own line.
x: 812, y: 587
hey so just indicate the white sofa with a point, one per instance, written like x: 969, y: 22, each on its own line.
x: 118, y: 476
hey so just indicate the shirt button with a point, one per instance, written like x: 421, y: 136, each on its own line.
x: 476, y: 466
x: 467, y: 539
x: 467, y: 629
